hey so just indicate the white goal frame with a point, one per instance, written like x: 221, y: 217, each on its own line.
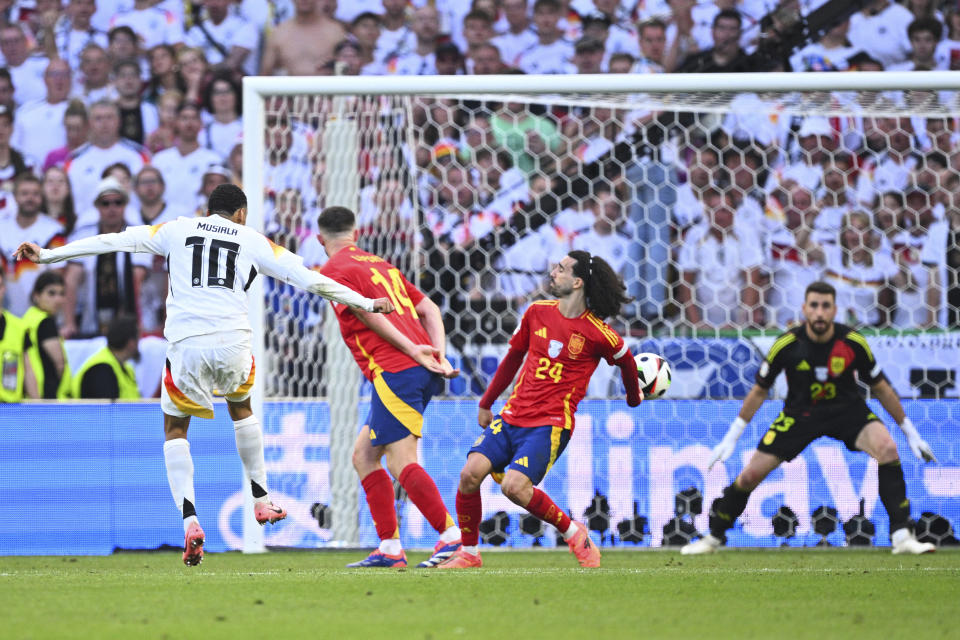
x: 256, y: 89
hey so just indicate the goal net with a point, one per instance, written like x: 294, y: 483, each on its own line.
x: 717, y: 198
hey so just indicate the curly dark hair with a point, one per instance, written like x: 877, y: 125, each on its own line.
x: 603, y: 289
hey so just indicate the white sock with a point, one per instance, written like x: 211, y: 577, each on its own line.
x: 572, y: 529
x: 391, y: 546
x: 176, y: 455
x: 450, y: 534
x: 250, y: 447
x: 474, y: 550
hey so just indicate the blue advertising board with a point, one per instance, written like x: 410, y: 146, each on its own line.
x: 94, y: 481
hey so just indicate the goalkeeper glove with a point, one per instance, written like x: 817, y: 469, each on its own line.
x: 725, y: 449
x: 917, y: 444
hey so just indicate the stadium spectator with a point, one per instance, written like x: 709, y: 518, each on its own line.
x: 12, y: 161
x: 720, y: 265
x: 725, y: 56
x: 795, y: 256
x: 621, y: 63
x: 365, y: 32
x: 924, y: 34
x: 48, y: 357
x: 138, y: 119
x: 520, y: 34
x: 889, y: 159
x: 86, y: 164
x: 17, y: 379
x: 523, y: 134
x: 165, y: 75
x: 6, y: 88
x: 58, y: 201
x: 222, y: 101
x: 122, y: 44
x: 588, y: 55
x: 77, y: 129
x: 832, y: 52
x: 652, y: 36
x: 862, y: 270
x: 907, y: 247
x: 941, y: 257
x: 194, y: 68
x: 609, y: 235
x: 477, y: 31
x: 486, y: 61
x: 184, y: 163
x: 164, y: 136
x: 29, y: 225
x: 26, y: 69
x: 396, y: 35
x: 108, y: 374
x: 74, y: 32
x: 153, y: 24
x: 99, y: 288
x: 880, y: 30
x: 92, y: 84
x: 552, y: 53
x: 702, y: 172
x: 947, y: 54
x: 448, y: 61
x: 303, y: 44
x: 226, y: 38
x: 39, y: 127
x: 420, y: 59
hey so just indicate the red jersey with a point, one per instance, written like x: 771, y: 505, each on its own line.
x: 374, y: 277
x: 562, y: 354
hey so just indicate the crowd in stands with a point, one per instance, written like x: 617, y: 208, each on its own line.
x: 125, y: 112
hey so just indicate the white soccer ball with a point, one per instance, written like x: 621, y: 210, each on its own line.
x: 654, y: 373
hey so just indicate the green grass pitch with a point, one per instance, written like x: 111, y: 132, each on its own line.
x: 838, y: 593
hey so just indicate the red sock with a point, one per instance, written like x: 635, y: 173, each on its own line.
x: 379, y: 490
x: 544, y: 508
x: 469, y: 513
x: 423, y: 493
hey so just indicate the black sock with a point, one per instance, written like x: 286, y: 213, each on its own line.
x: 188, y: 509
x: 726, y: 509
x: 893, y: 494
x: 258, y: 491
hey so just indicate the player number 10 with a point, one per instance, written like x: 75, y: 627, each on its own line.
x: 544, y: 370
x: 395, y: 289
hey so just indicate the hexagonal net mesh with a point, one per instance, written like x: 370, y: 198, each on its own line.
x: 716, y: 209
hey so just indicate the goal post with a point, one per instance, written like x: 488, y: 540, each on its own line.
x: 363, y: 141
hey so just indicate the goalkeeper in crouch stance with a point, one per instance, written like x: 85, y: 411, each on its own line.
x: 820, y: 358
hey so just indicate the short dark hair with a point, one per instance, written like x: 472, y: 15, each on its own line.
x: 366, y: 15
x: 24, y: 177
x: 336, y: 220
x: 46, y: 279
x: 123, y: 29
x: 651, y: 23
x: 189, y: 106
x: 223, y: 75
x: 226, y: 200
x: 728, y: 14
x: 549, y: 5
x: 121, y: 330
x: 820, y: 287
x: 929, y: 24
x: 476, y: 14
x: 126, y: 62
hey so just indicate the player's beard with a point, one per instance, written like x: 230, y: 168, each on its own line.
x: 559, y: 290
x: 818, y: 327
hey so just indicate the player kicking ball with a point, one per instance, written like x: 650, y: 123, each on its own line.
x: 559, y: 344
x: 822, y: 360
x: 212, y: 261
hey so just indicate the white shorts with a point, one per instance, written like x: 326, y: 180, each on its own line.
x: 199, y: 366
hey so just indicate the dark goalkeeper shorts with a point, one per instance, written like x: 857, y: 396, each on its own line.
x: 791, y: 432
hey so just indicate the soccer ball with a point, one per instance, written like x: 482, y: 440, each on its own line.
x: 655, y: 375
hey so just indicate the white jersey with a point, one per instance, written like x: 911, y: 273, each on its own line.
x: 212, y: 262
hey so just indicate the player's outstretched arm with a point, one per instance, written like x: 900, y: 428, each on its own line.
x: 890, y: 401
x: 501, y: 379
x: 631, y: 379
x: 432, y: 322
x: 423, y: 354
x: 751, y: 404
x: 134, y: 239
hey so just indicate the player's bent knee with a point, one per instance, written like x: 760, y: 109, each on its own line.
x: 516, y: 489
x: 887, y: 452
x: 470, y: 480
